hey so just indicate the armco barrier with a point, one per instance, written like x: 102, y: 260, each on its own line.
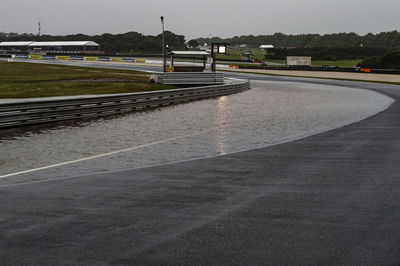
x: 116, y: 59
x: 129, y: 60
x: 76, y: 57
x: 191, y: 78
x: 91, y: 58
x: 48, y: 57
x: 35, y: 57
x: 38, y: 112
x: 62, y: 57
x: 104, y: 59
x: 21, y: 56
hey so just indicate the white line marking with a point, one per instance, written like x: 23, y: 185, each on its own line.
x: 108, y: 153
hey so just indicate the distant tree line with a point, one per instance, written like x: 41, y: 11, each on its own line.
x: 130, y: 42
x: 383, y: 39
x: 134, y: 42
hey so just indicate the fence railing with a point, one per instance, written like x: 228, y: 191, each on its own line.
x: 44, y: 111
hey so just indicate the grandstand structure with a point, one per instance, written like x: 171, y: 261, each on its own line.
x: 66, y: 47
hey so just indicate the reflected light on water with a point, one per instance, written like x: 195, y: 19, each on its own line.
x: 221, y: 125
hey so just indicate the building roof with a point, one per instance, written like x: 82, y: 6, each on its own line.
x: 68, y: 43
x: 266, y: 46
x: 15, y: 43
x: 193, y: 53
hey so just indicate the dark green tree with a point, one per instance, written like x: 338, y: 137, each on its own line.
x: 193, y: 44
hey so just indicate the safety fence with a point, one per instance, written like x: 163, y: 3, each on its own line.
x: 29, y: 112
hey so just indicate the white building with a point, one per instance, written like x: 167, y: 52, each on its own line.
x: 266, y: 46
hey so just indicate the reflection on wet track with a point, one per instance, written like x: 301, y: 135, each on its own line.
x: 271, y: 112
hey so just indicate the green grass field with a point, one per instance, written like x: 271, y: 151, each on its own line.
x: 27, y: 80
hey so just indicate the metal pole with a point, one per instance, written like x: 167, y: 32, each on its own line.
x: 213, y: 68
x: 163, y: 43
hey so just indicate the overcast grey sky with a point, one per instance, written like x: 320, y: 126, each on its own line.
x: 203, y: 18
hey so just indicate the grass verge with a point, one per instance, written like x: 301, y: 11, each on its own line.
x: 27, y: 80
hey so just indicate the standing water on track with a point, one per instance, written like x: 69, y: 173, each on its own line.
x: 271, y: 112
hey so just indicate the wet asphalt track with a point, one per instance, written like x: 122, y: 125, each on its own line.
x: 279, y: 112
x: 328, y: 199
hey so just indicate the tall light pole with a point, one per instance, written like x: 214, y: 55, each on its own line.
x: 39, y: 28
x: 163, y: 43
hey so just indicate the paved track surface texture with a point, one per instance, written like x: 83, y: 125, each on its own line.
x: 328, y: 199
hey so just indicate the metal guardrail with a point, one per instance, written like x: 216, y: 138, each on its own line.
x: 188, y: 78
x: 38, y: 112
